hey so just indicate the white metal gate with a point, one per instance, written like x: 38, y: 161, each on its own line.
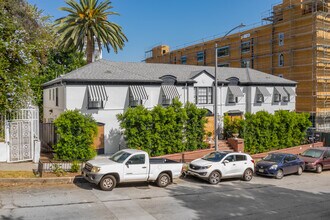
x: 23, y: 131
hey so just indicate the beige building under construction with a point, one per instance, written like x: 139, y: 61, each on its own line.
x: 294, y: 44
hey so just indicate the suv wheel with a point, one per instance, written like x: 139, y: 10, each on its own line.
x: 248, y: 175
x: 319, y: 168
x: 214, y: 177
x: 108, y: 182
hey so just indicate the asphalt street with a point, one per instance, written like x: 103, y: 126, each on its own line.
x: 293, y: 197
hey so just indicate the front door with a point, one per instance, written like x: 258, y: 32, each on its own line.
x: 135, y: 169
x: 20, y: 141
x: 229, y: 169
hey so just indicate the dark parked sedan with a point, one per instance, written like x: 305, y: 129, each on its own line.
x: 280, y: 164
x: 316, y: 159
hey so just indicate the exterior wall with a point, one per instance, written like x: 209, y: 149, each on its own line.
x: 3, y: 152
x: 304, y: 24
x: 76, y: 97
x: 51, y: 111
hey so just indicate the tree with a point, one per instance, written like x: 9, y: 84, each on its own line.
x: 86, y: 24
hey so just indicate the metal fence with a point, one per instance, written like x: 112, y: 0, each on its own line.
x: 50, y: 166
x: 2, y: 127
x: 48, y: 137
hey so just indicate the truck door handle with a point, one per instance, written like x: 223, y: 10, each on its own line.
x: 144, y: 167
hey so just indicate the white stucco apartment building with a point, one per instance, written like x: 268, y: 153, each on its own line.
x: 105, y: 89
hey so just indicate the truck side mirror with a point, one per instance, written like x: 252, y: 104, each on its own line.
x: 128, y: 163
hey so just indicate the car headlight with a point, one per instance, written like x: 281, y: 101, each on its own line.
x: 206, y: 167
x: 95, y: 169
x: 273, y: 167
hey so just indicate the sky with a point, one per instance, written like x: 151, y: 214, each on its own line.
x: 148, y: 23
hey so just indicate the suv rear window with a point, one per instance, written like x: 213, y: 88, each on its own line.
x: 240, y: 157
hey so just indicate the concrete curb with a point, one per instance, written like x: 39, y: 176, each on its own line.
x: 37, y: 180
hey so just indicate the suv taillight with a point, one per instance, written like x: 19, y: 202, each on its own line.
x: 252, y: 161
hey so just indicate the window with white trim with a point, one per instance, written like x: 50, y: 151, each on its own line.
x: 134, y: 103
x: 203, y: 95
x: 277, y: 97
x: 95, y: 104
x: 245, y: 63
x: 260, y: 98
x: 280, y: 39
x: 232, y: 98
x: 56, y: 100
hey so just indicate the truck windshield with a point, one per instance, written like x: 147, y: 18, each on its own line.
x: 214, y: 156
x: 120, y: 156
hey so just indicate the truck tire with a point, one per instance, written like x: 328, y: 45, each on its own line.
x: 163, y: 180
x: 108, y: 182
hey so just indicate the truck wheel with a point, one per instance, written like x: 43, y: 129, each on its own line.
x: 163, y: 180
x: 248, y: 175
x: 214, y: 177
x: 108, y: 182
x: 319, y: 168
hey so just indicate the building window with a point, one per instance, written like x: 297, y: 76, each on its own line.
x: 53, y: 94
x: 203, y: 95
x: 95, y: 104
x: 232, y: 98
x: 134, y: 103
x: 286, y: 98
x: 56, y: 100
x: 184, y: 60
x: 260, y: 98
x: 245, y: 47
x: 281, y: 60
x: 50, y: 94
x: 277, y: 97
x: 281, y: 39
x: 200, y: 56
x: 223, y: 51
x: 165, y: 101
x: 245, y: 63
x: 223, y: 65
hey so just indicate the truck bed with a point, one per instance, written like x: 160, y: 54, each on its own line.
x: 161, y: 161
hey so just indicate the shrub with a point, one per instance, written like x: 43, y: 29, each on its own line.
x: 75, y: 167
x: 58, y: 170
x: 264, y: 131
x: 76, y: 133
x: 164, y: 130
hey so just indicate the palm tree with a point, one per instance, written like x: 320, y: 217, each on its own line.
x: 87, y: 25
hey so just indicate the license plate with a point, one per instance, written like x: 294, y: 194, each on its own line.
x: 261, y: 170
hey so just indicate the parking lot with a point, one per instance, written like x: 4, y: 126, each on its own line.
x: 293, y: 197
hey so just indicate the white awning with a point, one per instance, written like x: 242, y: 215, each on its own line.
x: 97, y: 93
x: 281, y: 91
x: 170, y: 91
x: 138, y: 93
x: 262, y: 90
x: 236, y: 91
x: 290, y: 91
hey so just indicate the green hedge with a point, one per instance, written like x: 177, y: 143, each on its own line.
x: 76, y: 134
x: 263, y: 131
x: 164, y: 130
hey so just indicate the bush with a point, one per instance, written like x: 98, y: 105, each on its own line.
x: 75, y: 167
x: 76, y: 133
x: 263, y: 131
x: 164, y: 130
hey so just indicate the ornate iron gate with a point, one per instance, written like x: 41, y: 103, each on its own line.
x: 23, y: 131
x: 20, y: 141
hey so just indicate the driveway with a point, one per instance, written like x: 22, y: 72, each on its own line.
x: 293, y: 197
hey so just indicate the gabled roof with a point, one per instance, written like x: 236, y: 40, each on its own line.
x: 129, y: 72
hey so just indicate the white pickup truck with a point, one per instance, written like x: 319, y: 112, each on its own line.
x: 130, y: 165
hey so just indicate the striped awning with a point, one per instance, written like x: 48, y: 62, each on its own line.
x: 236, y: 91
x: 170, y: 91
x: 280, y: 90
x: 138, y: 93
x: 290, y: 91
x: 97, y: 93
x: 262, y: 90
